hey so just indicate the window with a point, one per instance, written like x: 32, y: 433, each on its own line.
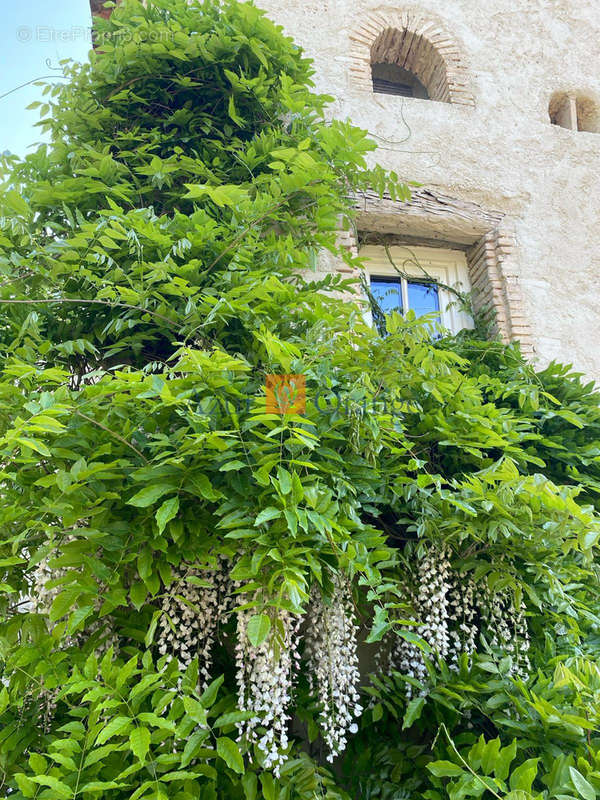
x: 408, y: 64
x: 392, y: 79
x: 574, y: 112
x: 425, y: 272
x: 400, y: 294
x: 396, y: 50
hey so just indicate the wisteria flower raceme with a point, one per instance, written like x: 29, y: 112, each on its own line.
x: 265, y: 685
x: 331, y: 648
x: 193, y: 608
x: 451, y: 612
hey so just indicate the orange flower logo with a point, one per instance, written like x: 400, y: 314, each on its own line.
x: 286, y: 394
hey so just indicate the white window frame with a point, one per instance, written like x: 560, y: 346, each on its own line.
x: 443, y: 265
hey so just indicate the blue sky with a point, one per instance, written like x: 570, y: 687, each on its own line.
x: 31, y: 32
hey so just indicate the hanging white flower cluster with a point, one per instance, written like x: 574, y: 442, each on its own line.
x: 332, y: 654
x: 193, y: 607
x: 450, y: 610
x: 43, y: 702
x: 523, y: 641
x: 39, y: 600
x: 431, y: 604
x: 462, y: 616
x: 49, y: 704
x: 505, y: 627
x: 432, y: 598
x: 404, y: 656
x: 41, y: 596
x: 265, y: 677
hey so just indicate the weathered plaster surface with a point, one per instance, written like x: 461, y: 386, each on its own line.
x: 502, y: 153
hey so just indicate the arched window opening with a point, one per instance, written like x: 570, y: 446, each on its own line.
x: 407, y: 64
x: 392, y: 79
x: 411, y: 54
x: 574, y: 112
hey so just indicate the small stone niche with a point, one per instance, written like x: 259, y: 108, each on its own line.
x: 575, y: 112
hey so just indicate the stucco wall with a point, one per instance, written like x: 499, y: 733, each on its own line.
x: 503, y: 153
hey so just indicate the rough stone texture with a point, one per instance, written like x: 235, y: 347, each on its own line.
x: 502, y: 154
x: 489, y: 146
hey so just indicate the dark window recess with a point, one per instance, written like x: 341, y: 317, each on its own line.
x: 391, y: 87
x: 392, y: 79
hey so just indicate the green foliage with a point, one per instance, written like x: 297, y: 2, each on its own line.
x: 158, y: 263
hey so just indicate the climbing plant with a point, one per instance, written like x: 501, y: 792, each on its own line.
x: 245, y: 536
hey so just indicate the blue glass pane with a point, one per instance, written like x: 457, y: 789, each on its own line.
x: 423, y: 298
x: 388, y: 293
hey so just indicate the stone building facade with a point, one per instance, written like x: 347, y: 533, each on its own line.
x: 493, y: 107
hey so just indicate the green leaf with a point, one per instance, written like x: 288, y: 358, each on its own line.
x: 233, y: 112
x: 141, y: 790
x: 38, y: 763
x: 145, y: 563
x: 4, y: 699
x: 116, y: 727
x: 78, y: 617
x: 100, y: 753
x: 415, y: 639
x: 232, y: 718
x: 210, y: 693
x: 413, y: 711
x: 285, y: 480
x: 505, y: 758
x: 266, y: 515
x: 149, y: 638
x: 179, y: 775
x: 192, y: 747
x: 138, y: 594
x: 63, y: 603
x: 380, y: 625
x: 519, y: 794
x: 267, y: 783
x: 35, y: 444
x: 146, y: 497
x: 250, y: 784
x: 230, y: 753
x: 489, y: 756
x: 233, y: 465
x: 167, y: 512
x: 524, y: 775
x: 150, y: 718
x: 60, y: 789
x: 139, y: 742
x: 583, y: 787
x: 26, y: 785
x: 195, y: 710
x: 102, y: 786
x: 445, y: 769
x: 204, y: 487
x: 259, y: 627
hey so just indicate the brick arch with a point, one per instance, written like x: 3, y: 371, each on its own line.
x: 416, y: 43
